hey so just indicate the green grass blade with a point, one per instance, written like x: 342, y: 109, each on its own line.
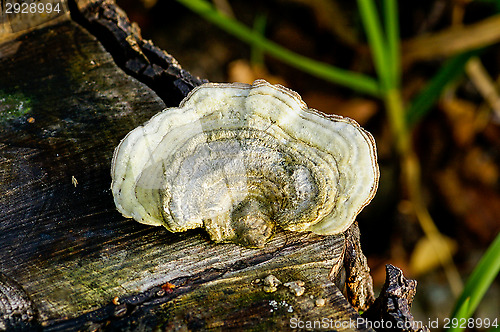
x: 257, y: 53
x: 450, y: 71
x: 376, y: 40
x: 495, y: 329
x: 353, y: 80
x: 479, y: 282
x: 460, y: 315
x: 390, y: 8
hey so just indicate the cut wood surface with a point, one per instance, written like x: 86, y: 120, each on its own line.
x: 64, y: 106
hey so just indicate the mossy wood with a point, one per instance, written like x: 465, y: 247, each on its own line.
x: 64, y: 105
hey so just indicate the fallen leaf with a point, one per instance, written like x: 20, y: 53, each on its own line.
x: 242, y: 71
x: 480, y: 166
x: 358, y: 109
x: 478, y: 206
x: 462, y: 117
x: 425, y: 255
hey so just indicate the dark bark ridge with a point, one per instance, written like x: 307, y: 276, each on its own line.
x: 394, y: 303
x: 17, y: 312
x: 136, y: 56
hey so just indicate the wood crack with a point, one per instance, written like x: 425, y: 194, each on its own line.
x: 137, y: 57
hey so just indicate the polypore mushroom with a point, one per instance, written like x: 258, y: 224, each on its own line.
x: 241, y: 159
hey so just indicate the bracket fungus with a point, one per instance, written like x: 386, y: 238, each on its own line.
x: 241, y: 159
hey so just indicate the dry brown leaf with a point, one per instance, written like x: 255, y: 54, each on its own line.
x: 479, y: 166
x: 242, y: 71
x: 462, y: 116
x: 425, y: 257
x: 483, y: 83
x: 483, y: 215
x: 148, y: 4
x: 452, y: 41
x: 329, y: 15
x: 360, y: 110
x: 478, y: 206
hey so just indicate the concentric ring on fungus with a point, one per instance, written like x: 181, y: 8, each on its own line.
x: 240, y: 159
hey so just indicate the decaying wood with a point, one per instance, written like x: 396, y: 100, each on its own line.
x: 138, y: 57
x: 65, y: 104
x: 359, y: 284
x: 16, y: 309
x: 394, y: 303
